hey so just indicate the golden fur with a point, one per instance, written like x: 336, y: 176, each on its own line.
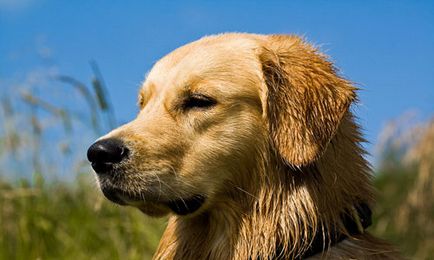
x: 277, y: 157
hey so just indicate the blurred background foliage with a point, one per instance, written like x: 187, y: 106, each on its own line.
x: 47, y: 216
x: 50, y: 205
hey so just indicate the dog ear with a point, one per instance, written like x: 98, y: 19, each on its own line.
x: 306, y: 99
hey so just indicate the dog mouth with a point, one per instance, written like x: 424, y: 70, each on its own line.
x: 186, y: 206
x: 149, y: 204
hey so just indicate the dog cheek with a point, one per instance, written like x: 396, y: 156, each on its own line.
x: 224, y: 153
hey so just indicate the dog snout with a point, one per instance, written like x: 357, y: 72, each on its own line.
x: 104, y: 153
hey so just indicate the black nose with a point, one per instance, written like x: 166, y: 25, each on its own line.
x: 106, y: 152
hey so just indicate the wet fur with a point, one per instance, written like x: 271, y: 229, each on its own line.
x: 278, y: 159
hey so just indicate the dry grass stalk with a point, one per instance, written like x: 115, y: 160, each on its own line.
x: 419, y: 206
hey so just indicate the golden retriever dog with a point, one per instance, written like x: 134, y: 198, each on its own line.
x: 249, y: 143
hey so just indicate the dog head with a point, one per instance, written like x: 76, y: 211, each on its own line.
x: 210, y: 110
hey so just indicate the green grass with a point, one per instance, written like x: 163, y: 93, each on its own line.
x: 59, y: 220
x: 65, y: 221
x: 392, y: 190
x: 413, y: 238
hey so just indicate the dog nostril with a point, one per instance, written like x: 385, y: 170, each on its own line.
x: 104, y: 153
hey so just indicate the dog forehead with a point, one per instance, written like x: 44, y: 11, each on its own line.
x: 222, y: 57
x: 208, y: 49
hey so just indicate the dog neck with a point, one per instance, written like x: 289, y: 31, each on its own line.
x: 282, y: 212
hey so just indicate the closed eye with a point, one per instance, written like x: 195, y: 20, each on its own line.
x: 198, y: 101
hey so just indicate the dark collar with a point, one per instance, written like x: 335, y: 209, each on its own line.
x: 355, y: 221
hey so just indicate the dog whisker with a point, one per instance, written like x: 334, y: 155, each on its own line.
x: 248, y: 193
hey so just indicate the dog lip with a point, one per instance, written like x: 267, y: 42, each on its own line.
x: 186, y: 206
x: 113, y: 195
x: 122, y: 197
x: 181, y: 206
x: 101, y: 168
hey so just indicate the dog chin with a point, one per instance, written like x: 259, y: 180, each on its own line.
x: 152, y: 206
x: 153, y: 209
x: 180, y: 207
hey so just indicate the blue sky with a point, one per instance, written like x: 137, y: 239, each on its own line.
x: 386, y: 47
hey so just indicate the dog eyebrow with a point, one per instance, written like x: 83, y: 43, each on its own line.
x: 145, y: 93
x: 191, y: 83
